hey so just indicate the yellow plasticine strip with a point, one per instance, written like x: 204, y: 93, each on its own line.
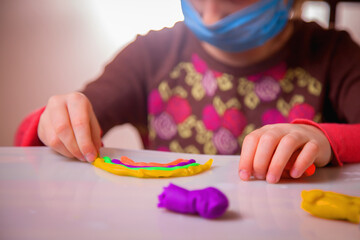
x: 144, y: 173
x: 128, y: 161
x: 331, y: 205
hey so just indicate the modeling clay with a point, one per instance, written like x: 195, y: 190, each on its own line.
x: 331, y: 205
x: 152, y: 172
x: 208, y: 203
x: 161, y: 168
x: 117, y: 161
x: 107, y: 159
x: 186, y: 164
x: 128, y: 161
x: 181, y: 162
x: 308, y: 172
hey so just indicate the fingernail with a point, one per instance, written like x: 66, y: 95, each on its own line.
x: 244, y: 175
x: 295, y: 173
x: 270, y: 178
x: 90, y: 157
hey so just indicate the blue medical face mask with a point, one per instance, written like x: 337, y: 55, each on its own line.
x: 243, y: 30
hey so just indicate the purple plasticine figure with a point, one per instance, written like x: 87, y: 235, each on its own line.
x: 208, y: 202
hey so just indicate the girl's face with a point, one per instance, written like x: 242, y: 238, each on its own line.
x: 212, y: 11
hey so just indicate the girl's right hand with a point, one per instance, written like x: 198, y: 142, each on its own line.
x: 69, y: 126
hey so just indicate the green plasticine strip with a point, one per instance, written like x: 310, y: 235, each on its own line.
x: 108, y: 160
x: 163, y: 168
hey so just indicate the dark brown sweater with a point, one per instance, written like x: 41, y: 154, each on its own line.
x: 181, y: 99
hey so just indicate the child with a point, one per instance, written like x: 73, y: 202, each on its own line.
x: 234, y: 73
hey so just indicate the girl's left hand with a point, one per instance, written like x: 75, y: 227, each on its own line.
x: 266, y: 151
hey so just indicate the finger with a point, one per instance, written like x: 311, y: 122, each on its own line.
x: 288, y: 145
x: 264, y: 152
x: 59, y: 118
x: 50, y: 139
x: 43, y: 124
x: 59, y: 147
x: 286, y: 172
x: 306, y: 157
x: 96, y: 131
x: 79, y: 108
x: 248, y: 150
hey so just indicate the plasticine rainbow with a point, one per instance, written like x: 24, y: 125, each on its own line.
x: 127, y: 167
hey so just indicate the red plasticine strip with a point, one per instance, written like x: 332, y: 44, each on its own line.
x: 117, y: 161
x: 127, y: 161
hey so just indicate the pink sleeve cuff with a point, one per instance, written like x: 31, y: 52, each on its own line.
x: 26, y: 134
x: 343, y: 138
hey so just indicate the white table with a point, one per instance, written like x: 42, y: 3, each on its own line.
x: 46, y: 196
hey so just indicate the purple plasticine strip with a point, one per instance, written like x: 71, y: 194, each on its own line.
x: 208, y: 203
x: 117, y: 161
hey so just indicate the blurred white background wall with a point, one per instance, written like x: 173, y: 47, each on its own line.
x: 50, y: 47
x: 347, y: 15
